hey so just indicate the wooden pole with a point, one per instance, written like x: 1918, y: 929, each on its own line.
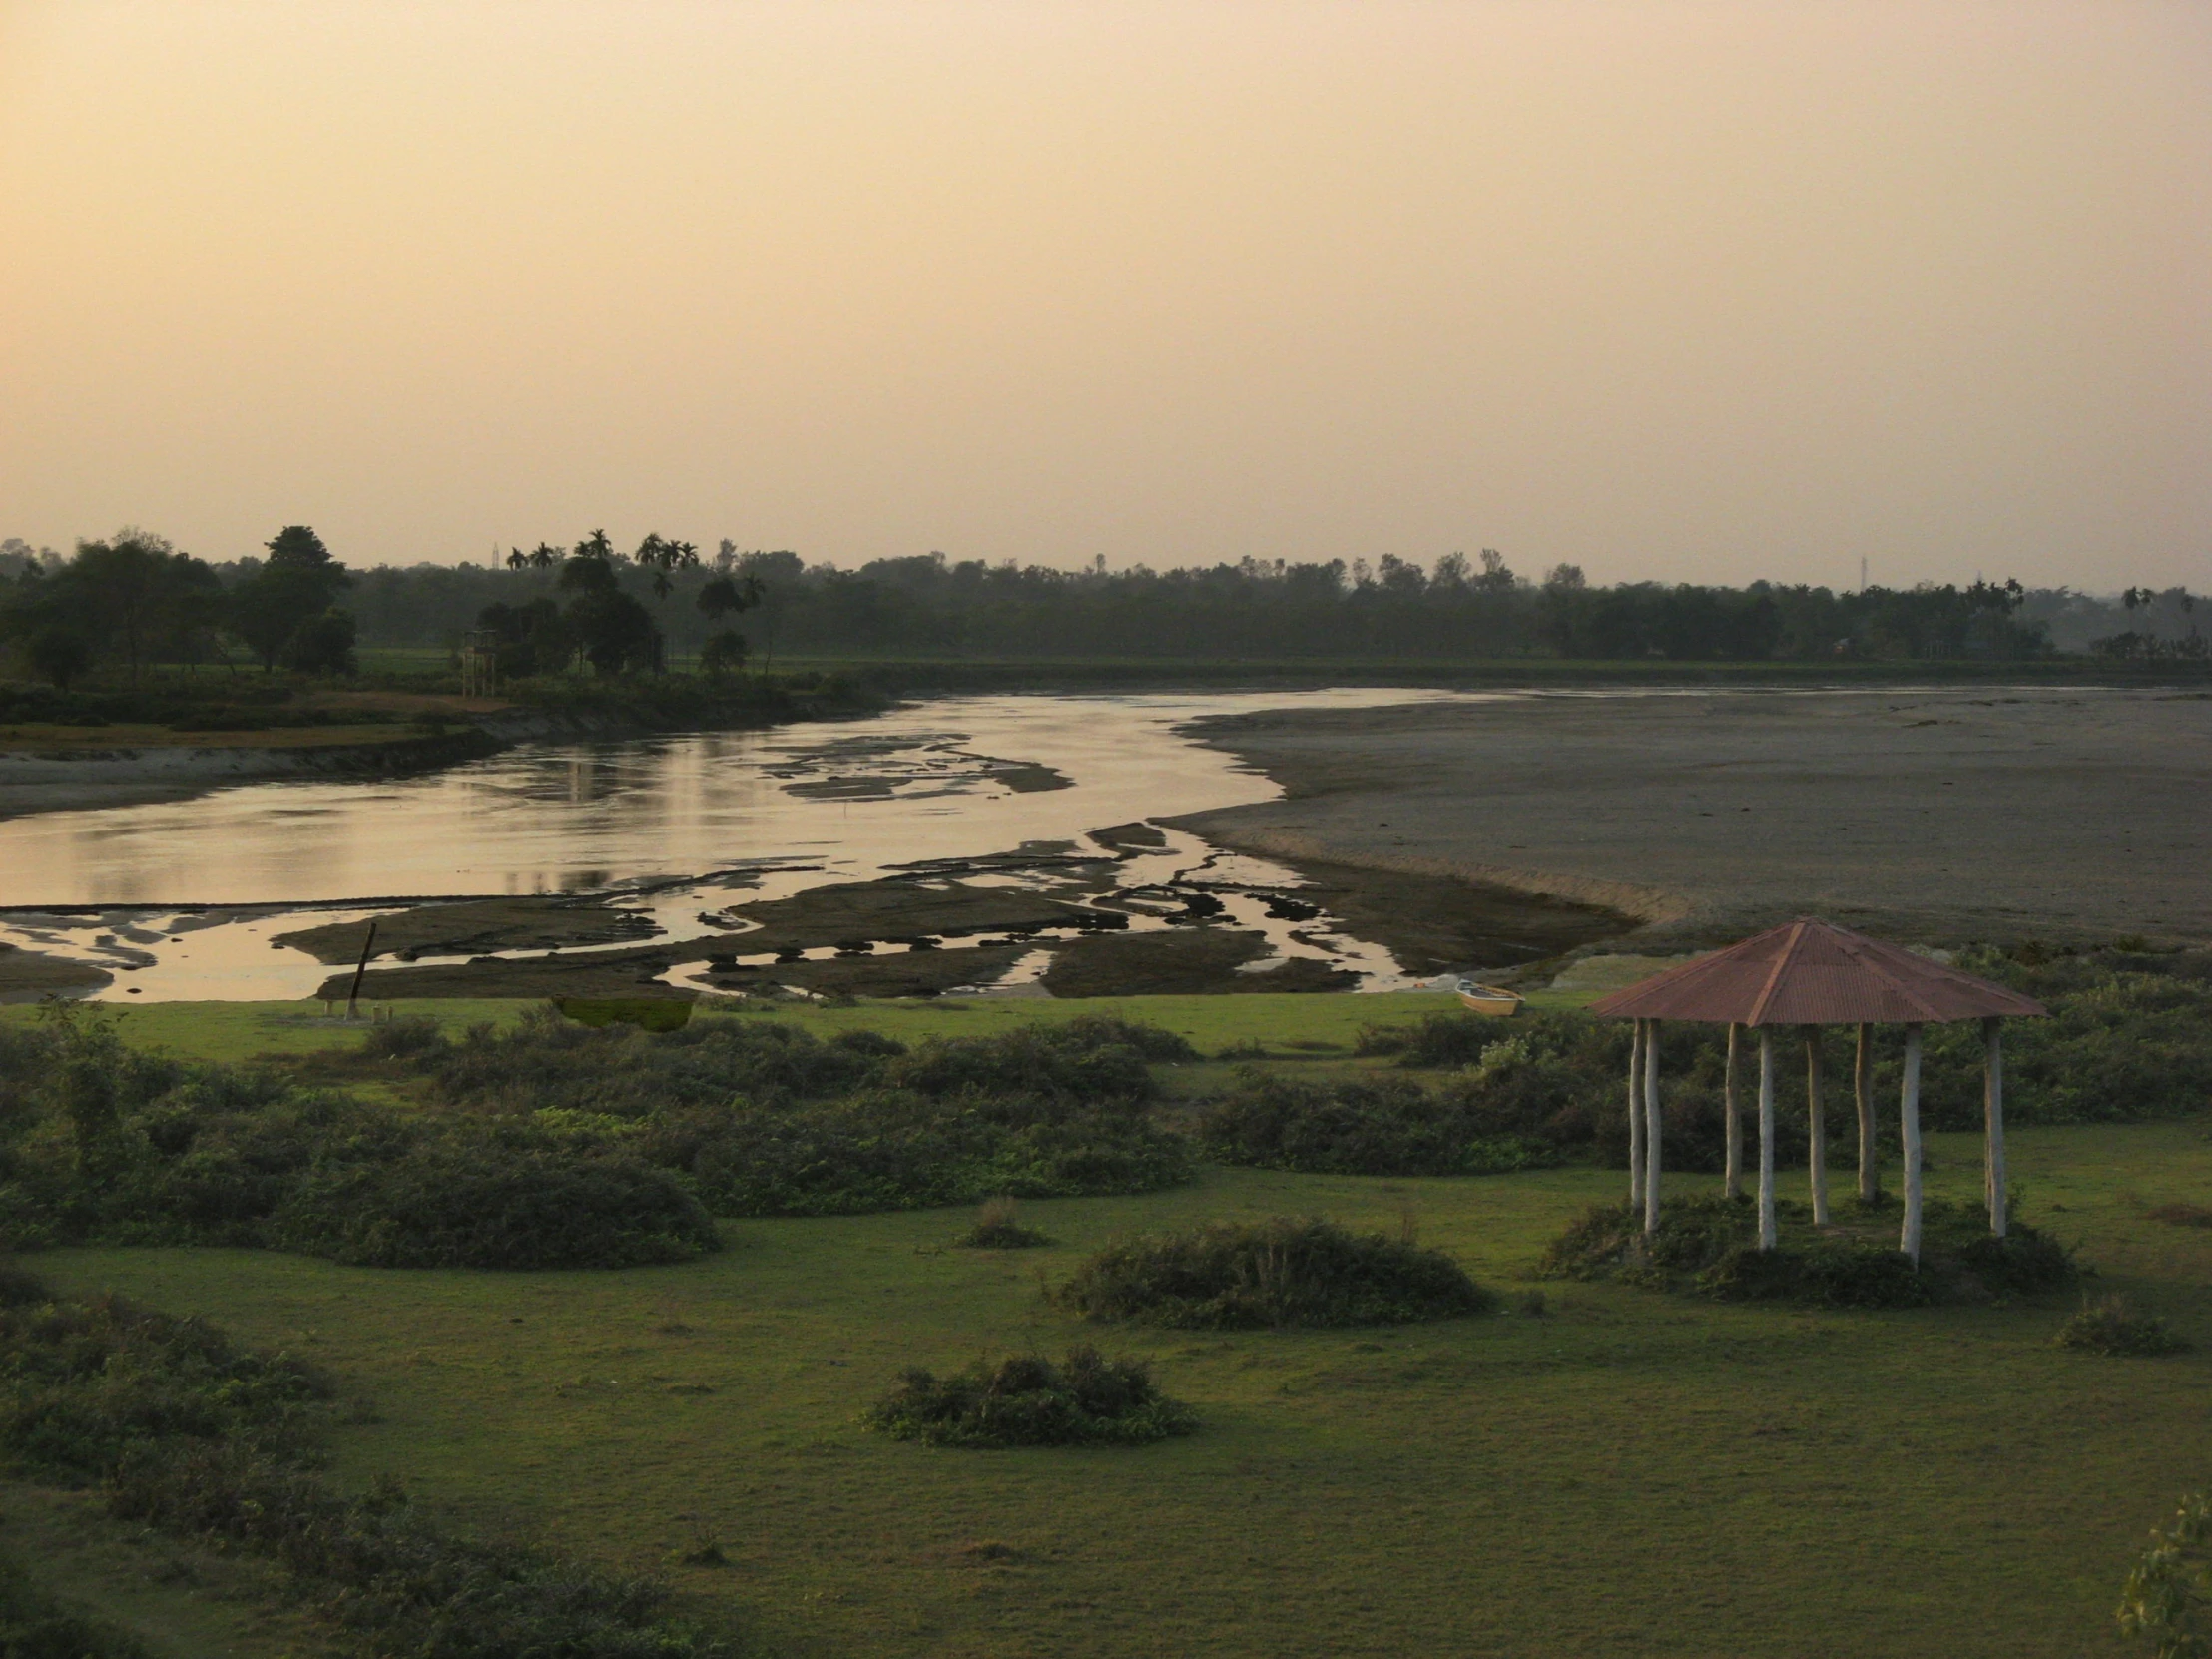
x: 1816, y: 1127
x: 353, y: 997
x: 1992, y: 1118
x: 1862, y: 1083
x: 1908, y: 1132
x: 1732, y: 1172
x: 1651, y: 1126
x: 1636, y: 1118
x: 1766, y: 1139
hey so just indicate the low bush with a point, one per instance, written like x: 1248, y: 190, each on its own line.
x: 1027, y: 1400
x: 998, y: 1227
x: 102, y: 1145
x: 1388, y: 1126
x: 34, y: 1625
x: 487, y: 1205
x: 890, y: 1150
x: 194, y: 1435
x: 2182, y: 1215
x: 1709, y: 1244
x: 2110, y: 1325
x: 1284, y: 1271
x: 85, y: 1382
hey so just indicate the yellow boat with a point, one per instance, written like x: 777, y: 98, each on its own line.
x: 1488, y: 999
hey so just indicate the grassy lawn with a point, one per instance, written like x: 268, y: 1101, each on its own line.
x: 1625, y: 1473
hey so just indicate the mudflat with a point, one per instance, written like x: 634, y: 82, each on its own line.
x: 1933, y: 815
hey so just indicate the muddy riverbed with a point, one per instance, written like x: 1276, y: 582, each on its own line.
x: 1002, y: 845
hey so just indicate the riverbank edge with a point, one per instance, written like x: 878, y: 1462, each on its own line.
x: 135, y: 776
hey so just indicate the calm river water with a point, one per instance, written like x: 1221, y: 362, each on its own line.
x: 803, y: 804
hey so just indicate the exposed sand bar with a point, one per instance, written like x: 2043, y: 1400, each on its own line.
x: 1937, y: 815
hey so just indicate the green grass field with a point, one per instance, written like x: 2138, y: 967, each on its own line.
x: 1625, y: 1473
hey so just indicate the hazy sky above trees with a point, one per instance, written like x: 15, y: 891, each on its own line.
x: 1694, y: 291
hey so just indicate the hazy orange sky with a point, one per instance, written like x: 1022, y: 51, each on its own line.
x: 1679, y: 290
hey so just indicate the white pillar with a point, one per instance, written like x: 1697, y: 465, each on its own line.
x: 1732, y: 1172
x: 1816, y: 1127
x: 1861, y: 1088
x: 1908, y: 1132
x: 1992, y: 1118
x: 1651, y: 1126
x: 1636, y: 1118
x: 1766, y: 1139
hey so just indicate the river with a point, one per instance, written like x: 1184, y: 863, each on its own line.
x: 183, y: 897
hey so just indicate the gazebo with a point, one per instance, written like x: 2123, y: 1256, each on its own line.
x: 1808, y: 974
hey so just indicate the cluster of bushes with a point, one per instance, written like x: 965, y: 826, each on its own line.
x: 762, y: 1119
x: 2110, y: 1325
x: 192, y: 1435
x: 1709, y: 1244
x: 1388, y: 1126
x: 99, y: 1142
x: 35, y: 1625
x: 1086, y: 1400
x: 1284, y: 1271
x: 2129, y: 1037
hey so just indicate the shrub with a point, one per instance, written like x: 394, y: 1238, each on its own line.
x: 1391, y: 1126
x: 393, y: 1039
x: 1709, y: 1244
x: 488, y: 1206
x: 2168, y: 1596
x: 194, y: 1435
x: 34, y: 1625
x: 87, y: 1382
x: 888, y: 1150
x: 1087, y: 1400
x: 998, y: 1228
x: 2110, y: 1325
x: 1235, y: 1275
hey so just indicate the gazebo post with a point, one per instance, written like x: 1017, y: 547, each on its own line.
x: 1992, y: 1117
x: 1636, y: 1117
x: 1816, y: 1127
x: 1908, y: 1133
x: 1766, y: 1139
x: 1732, y: 1172
x: 1861, y: 1082
x: 1651, y: 1126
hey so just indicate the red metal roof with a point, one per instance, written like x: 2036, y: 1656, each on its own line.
x: 1814, y: 973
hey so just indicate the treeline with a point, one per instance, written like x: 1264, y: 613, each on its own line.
x: 594, y: 607
x: 135, y: 600
x: 929, y: 606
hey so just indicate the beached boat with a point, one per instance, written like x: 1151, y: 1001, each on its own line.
x: 1488, y: 999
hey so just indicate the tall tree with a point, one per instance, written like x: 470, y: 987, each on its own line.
x: 292, y: 589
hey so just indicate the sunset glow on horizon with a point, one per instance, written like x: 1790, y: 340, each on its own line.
x: 1698, y: 292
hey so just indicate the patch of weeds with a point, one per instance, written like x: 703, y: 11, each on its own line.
x: 998, y: 1227
x: 1027, y: 1400
x: 2110, y: 1325
x: 1284, y: 1271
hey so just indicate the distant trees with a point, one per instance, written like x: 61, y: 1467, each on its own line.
x: 283, y: 610
x: 135, y: 599
x: 132, y: 596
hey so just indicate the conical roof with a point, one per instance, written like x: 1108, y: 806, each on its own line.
x: 1811, y: 973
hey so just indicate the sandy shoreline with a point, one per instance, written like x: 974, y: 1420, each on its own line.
x: 1935, y: 815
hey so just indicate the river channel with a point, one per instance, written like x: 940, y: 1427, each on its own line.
x: 181, y: 900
